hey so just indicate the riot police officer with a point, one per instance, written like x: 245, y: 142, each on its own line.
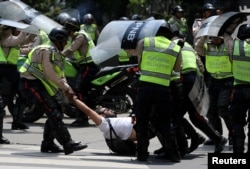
x: 218, y: 65
x: 179, y: 20
x: 158, y: 57
x: 42, y: 81
x: 79, y: 52
x: 241, y: 94
x: 90, y: 27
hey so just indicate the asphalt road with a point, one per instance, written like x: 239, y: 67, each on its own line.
x: 24, y: 151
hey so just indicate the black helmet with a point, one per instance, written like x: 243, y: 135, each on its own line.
x: 72, y: 24
x: 165, y: 30
x: 244, y: 32
x: 88, y: 18
x: 207, y: 7
x: 178, y: 9
x: 58, y: 34
x: 136, y: 17
x: 62, y: 17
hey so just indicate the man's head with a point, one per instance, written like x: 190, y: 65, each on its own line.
x: 72, y: 25
x: 88, y: 19
x: 178, y: 12
x: 165, y: 30
x: 208, y: 10
x: 244, y: 32
x: 217, y: 40
x: 59, y: 37
x: 105, y: 112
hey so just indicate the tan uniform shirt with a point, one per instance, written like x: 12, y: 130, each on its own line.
x: 42, y: 56
x: 79, y: 43
x: 8, y: 40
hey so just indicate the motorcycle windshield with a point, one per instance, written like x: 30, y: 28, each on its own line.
x: 20, y: 26
x: 122, y: 34
x: 17, y: 10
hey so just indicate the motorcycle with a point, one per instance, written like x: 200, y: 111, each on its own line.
x: 112, y: 87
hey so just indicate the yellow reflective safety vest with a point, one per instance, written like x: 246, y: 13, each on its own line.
x: 182, y: 23
x: 218, y: 62
x: 241, y: 62
x: 36, y: 69
x: 189, y: 63
x: 90, y: 29
x: 87, y: 58
x: 158, y: 60
x: 44, y: 37
x: 3, y: 59
x: 12, y: 57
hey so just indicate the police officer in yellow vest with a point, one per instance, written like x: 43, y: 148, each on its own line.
x: 9, y: 76
x: 157, y: 58
x: 179, y: 20
x: 90, y: 27
x: 239, y: 108
x: 189, y: 72
x: 79, y: 52
x: 218, y: 65
x: 42, y: 81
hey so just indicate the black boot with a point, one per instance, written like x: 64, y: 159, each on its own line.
x: 62, y: 135
x: 238, y: 143
x: 72, y: 146
x: 17, y: 123
x: 142, y: 147
x: 81, y: 120
x: 196, y: 138
x: 50, y: 147
x: 172, y: 147
x: 219, y: 146
x: 182, y: 141
x: 196, y: 141
x: 3, y: 140
x: 48, y: 144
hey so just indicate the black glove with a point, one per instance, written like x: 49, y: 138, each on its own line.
x: 181, y: 43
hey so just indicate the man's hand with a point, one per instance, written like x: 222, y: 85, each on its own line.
x: 70, y: 95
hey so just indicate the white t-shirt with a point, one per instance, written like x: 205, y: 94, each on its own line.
x: 122, y: 125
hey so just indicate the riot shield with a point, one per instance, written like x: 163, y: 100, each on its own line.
x: 205, y: 27
x: 20, y: 26
x: 217, y: 25
x: 18, y: 11
x: 122, y: 34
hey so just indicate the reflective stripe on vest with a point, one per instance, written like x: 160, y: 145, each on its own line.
x: 218, y: 63
x: 158, y: 59
x: 84, y: 59
x: 36, y: 69
x: 241, y: 62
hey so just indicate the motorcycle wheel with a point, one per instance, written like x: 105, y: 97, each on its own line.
x: 124, y: 98
x: 32, y: 113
